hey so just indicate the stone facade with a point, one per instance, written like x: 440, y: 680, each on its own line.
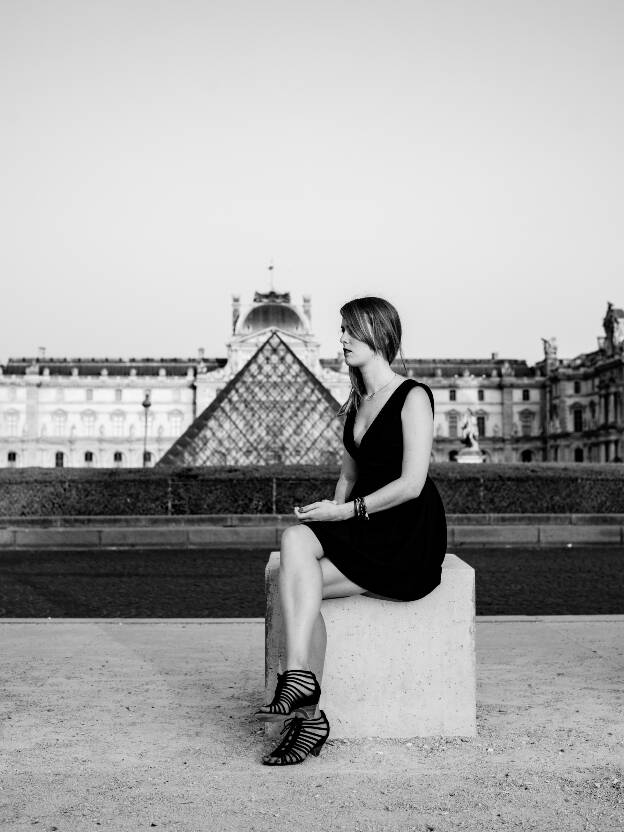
x: 90, y: 412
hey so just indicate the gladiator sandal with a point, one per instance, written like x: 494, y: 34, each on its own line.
x: 295, y: 689
x: 303, y: 737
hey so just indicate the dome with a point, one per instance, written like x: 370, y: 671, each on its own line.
x: 268, y: 315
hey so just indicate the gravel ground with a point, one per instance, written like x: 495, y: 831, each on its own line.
x: 135, y: 726
x: 230, y: 583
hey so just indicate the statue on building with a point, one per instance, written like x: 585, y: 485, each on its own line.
x: 613, y: 324
x: 550, y: 349
x: 470, y: 438
x: 469, y: 430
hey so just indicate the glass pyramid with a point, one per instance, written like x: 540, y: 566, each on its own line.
x: 273, y: 411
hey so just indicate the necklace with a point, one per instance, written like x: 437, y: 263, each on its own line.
x: 379, y: 389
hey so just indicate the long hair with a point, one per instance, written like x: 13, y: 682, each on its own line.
x: 376, y: 322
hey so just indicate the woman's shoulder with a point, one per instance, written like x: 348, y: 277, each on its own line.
x: 416, y: 391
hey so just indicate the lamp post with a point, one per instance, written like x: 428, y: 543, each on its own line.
x: 146, y: 406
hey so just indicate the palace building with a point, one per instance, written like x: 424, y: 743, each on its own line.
x: 273, y: 399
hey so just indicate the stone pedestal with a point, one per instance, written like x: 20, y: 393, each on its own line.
x: 470, y: 455
x: 392, y: 668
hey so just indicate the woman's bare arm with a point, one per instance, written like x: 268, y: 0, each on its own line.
x: 348, y: 475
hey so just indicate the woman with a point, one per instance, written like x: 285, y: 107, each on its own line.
x: 384, y: 533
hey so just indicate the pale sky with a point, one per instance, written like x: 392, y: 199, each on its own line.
x: 463, y: 159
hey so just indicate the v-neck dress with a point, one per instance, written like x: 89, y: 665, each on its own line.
x: 398, y: 552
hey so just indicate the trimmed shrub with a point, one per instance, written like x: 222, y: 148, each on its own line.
x: 541, y: 488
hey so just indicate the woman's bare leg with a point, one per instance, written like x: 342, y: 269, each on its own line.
x: 301, y: 593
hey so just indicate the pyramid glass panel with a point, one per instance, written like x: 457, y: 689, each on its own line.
x: 273, y: 411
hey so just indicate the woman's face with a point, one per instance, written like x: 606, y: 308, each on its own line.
x: 356, y: 353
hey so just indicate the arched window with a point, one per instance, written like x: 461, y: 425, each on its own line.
x: 526, y: 456
x: 578, y: 455
x: 59, y: 459
x: 12, y: 459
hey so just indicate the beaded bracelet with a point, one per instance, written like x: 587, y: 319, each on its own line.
x: 359, y: 508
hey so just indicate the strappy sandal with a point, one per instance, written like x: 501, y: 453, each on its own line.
x: 296, y: 689
x: 303, y: 736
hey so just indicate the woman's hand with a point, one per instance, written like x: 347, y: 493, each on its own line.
x: 323, y: 510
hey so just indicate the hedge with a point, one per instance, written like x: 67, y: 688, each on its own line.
x: 541, y: 488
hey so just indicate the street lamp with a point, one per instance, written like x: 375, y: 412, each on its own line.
x: 146, y: 406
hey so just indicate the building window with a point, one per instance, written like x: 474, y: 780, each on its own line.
x: 578, y: 455
x: 118, y: 394
x: 526, y: 456
x: 88, y: 419
x: 59, y: 422
x: 89, y: 394
x: 526, y: 422
x: 577, y: 387
x: 453, y: 424
x: 481, y: 425
x: 12, y: 459
x: 59, y: 459
x: 480, y: 395
x: 118, y: 458
x: 452, y: 395
x: 147, y: 457
x: 12, y: 420
x: 88, y: 458
x: 452, y: 456
x: 118, y: 423
x: 578, y: 419
x: 175, y: 423
x: 592, y: 410
x: 526, y: 395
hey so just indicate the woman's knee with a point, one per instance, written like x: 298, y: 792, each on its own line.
x: 297, y: 541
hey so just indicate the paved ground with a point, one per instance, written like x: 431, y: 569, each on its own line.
x: 132, y: 725
x: 229, y: 583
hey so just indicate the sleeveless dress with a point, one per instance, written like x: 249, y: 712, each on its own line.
x: 398, y: 552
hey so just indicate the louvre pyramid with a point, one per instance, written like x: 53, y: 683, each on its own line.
x: 273, y: 411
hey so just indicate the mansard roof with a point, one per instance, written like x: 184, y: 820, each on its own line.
x: 113, y: 366
x: 451, y: 367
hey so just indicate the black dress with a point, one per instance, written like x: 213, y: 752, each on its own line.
x: 397, y: 552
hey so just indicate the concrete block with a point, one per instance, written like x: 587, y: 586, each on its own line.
x: 392, y: 668
x: 40, y: 538
x: 7, y: 537
x: 144, y: 537
x: 233, y: 535
x: 495, y: 534
x: 580, y: 534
